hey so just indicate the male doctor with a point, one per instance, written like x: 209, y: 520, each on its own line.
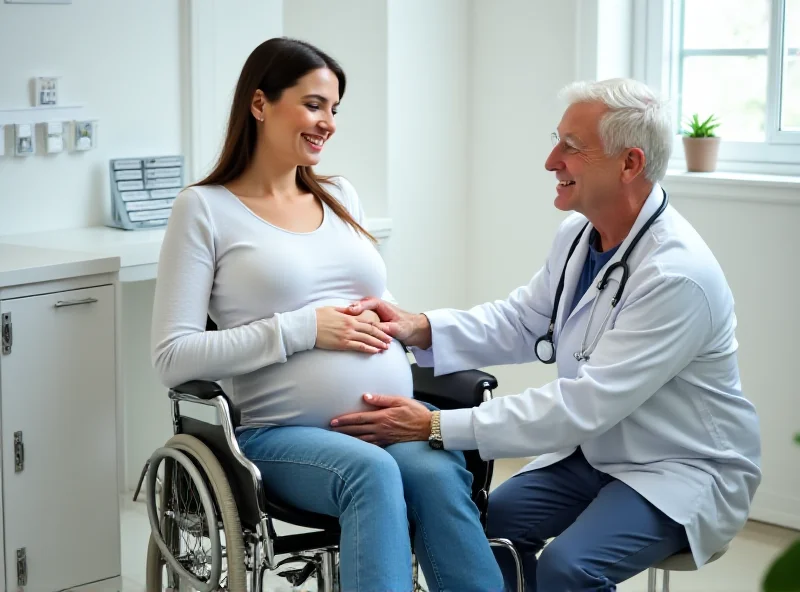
x: 646, y: 444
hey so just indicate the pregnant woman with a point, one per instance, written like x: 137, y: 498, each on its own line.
x: 269, y: 250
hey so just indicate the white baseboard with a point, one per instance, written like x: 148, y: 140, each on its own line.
x: 776, y: 509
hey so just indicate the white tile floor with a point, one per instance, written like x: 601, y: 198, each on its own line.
x: 740, y: 570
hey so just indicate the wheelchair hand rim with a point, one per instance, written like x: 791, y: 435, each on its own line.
x: 208, y: 506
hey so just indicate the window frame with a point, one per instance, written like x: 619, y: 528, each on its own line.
x: 657, y: 43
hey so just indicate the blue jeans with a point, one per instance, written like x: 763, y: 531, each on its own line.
x: 376, y: 492
x: 605, y: 531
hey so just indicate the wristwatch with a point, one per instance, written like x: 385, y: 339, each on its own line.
x: 435, y: 439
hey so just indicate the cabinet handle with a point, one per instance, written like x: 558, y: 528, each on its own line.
x: 19, y: 453
x: 22, y: 568
x: 62, y: 303
x: 6, y: 333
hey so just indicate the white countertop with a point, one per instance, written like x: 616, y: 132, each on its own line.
x: 20, y: 264
x: 61, y: 253
x: 136, y: 252
x: 133, y: 247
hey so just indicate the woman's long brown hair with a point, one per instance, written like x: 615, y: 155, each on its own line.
x: 272, y: 67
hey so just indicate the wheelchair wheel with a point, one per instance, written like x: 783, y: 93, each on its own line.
x: 185, y: 530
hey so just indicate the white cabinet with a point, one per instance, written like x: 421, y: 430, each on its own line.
x: 59, y: 444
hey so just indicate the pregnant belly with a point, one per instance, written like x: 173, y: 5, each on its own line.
x: 314, y: 386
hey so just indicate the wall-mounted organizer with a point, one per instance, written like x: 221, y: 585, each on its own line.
x: 53, y: 125
x: 58, y: 126
x: 45, y: 91
x: 24, y: 139
x: 143, y: 190
x: 54, y: 136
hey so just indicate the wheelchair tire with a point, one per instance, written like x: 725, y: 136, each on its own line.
x: 221, y: 491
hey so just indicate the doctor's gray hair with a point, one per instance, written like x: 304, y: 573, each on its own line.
x: 637, y: 118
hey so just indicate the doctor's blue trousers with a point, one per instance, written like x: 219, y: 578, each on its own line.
x: 605, y: 532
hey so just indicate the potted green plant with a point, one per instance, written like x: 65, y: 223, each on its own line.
x: 701, y: 144
x: 784, y: 573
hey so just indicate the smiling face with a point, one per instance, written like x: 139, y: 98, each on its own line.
x: 587, y: 178
x: 297, y: 125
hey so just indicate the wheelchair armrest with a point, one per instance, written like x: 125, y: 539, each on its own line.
x: 451, y: 391
x: 202, y: 389
x: 204, y: 392
x: 460, y: 390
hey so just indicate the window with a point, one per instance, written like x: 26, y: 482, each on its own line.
x: 738, y: 59
x: 790, y: 72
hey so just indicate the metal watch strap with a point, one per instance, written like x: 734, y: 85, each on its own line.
x: 435, y: 438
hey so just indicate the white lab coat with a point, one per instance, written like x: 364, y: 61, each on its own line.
x: 658, y: 404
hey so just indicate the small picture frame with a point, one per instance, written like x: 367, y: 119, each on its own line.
x: 24, y: 139
x: 84, y: 135
x: 46, y: 91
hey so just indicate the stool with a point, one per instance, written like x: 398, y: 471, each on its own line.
x: 677, y: 562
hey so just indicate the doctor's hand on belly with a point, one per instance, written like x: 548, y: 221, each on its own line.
x: 391, y: 419
x: 409, y: 328
x: 395, y: 419
x: 339, y: 331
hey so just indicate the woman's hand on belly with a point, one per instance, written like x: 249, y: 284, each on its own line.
x: 340, y: 331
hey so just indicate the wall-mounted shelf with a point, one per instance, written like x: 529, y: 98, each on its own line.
x: 42, y: 114
x: 38, y: 1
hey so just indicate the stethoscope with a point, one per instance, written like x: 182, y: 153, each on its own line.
x: 544, y: 348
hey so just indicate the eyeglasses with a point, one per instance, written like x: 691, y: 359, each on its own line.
x: 567, y: 145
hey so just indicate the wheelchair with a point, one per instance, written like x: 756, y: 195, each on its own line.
x: 212, y: 526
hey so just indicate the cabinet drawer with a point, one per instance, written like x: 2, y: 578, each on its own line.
x: 57, y: 394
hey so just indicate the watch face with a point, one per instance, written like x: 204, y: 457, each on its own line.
x: 436, y: 444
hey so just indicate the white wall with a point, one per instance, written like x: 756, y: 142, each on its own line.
x: 429, y: 138
x: 403, y: 129
x: 128, y: 64
x: 121, y: 60
x: 606, y: 24
x: 353, y: 32
x: 754, y: 248
x: 524, y: 52
x: 221, y: 35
